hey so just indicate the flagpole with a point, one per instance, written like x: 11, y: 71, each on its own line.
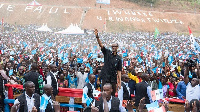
x: 2, y: 25
x: 105, y: 24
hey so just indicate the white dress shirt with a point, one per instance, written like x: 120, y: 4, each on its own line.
x: 121, y: 108
x: 149, y: 93
x: 29, y: 100
x: 121, y: 91
x: 49, y: 80
x: 81, y: 79
x: 192, y: 92
x: 85, y: 91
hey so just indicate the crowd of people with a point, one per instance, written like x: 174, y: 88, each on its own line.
x: 125, y: 63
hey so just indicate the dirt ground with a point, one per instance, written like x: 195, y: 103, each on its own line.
x: 119, y: 16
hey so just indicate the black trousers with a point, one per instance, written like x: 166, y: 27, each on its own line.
x: 113, y: 86
x: 2, y: 97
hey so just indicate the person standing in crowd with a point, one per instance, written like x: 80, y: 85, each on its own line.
x: 193, y: 87
x: 138, y: 72
x: 36, y: 78
x: 51, y: 78
x: 62, y: 82
x: 47, y: 94
x: 192, y: 106
x: 172, y: 88
x: 114, y: 103
x: 112, y: 65
x: 181, y: 89
x: 143, y: 90
x: 124, y: 92
x: 131, y: 83
x: 28, y: 100
x: 153, y: 82
x: 72, y: 79
x: 164, y: 86
x: 88, y: 89
x: 1, y: 94
x: 20, y: 74
x: 52, y: 106
x: 81, y: 78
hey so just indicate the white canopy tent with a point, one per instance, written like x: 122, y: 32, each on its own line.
x: 44, y: 28
x: 34, y: 3
x: 72, y: 30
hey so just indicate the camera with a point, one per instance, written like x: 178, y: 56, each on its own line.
x: 190, y: 62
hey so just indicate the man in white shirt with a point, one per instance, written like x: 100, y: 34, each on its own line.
x: 193, y: 90
x: 81, y: 78
x: 124, y: 92
x: 114, y: 103
x: 28, y: 100
x: 47, y: 95
x: 52, y: 79
x: 88, y: 90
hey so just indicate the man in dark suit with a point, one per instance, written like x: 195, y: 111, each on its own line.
x: 88, y: 89
x: 143, y: 90
x: 113, y: 104
x: 124, y: 92
x: 36, y: 78
x: 52, y: 79
x: 47, y: 94
x: 29, y: 100
x: 1, y: 94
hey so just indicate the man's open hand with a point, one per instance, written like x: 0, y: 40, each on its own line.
x: 15, y: 107
x: 94, y: 109
x: 34, y: 109
x: 56, y: 106
x: 130, y: 104
x: 96, y: 32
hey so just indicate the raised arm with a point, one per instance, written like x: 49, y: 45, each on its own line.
x: 186, y: 73
x: 198, y: 74
x: 106, y: 109
x: 98, y: 40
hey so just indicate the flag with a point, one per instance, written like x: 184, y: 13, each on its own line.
x: 160, y: 109
x: 156, y: 33
x: 190, y: 31
x: 33, y: 51
x: 50, y: 44
x: 191, y: 37
x: 65, y: 60
x: 44, y: 102
x: 105, y: 24
x: 134, y: 45
x: 88, y: 100
x: 12, y: 53
x: 124, y: 55
x: 79, y: 60
x: 2, y: 22
x: 139, y: 59
x: 154, y: 69
x: 41, y: 49
x: 126, y: 63
x: 10, y: 72
x: 152, y: 106
x: 157, y: 94
x: 95, y: 55
x: 90, y: 54
x: 103, y: 1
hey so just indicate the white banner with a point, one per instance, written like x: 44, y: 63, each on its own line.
x: 103, y: 1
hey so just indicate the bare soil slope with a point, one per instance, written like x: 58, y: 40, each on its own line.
x: 116, y: 17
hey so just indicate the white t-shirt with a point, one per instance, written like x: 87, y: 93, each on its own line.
x: 192, y: 92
